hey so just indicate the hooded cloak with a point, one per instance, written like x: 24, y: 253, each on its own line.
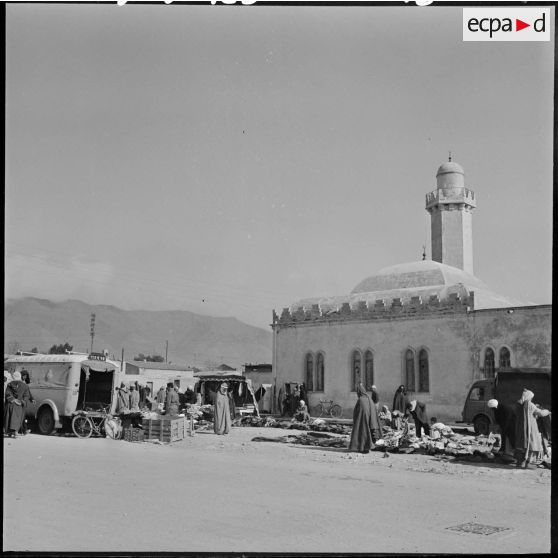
x: 222, y: 421
x: 363, y: 424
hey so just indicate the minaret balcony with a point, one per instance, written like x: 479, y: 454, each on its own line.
x: 454, y: 195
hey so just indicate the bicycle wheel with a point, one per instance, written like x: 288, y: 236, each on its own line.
x: 82, y: 426
x: 336, y: 411
x: 318, y: 410
x: 113, y: 428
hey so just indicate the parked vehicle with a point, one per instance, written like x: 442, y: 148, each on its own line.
x: 506, y: 387
x: 64, y: 384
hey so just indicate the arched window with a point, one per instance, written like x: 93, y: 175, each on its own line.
x: 489, y: 363
x: 424, y: 382
x: 368, y: 369
x: 309, y: 372
x: 505, y: 358
x: 355, y: 370
x: 320, y: 367
x: 410, y: 370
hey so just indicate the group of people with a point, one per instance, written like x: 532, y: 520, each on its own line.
x: 524, y: 429
x: 17, y: 397
x: 134, y: 398
x: 290, y: 401
x: 368, y: 419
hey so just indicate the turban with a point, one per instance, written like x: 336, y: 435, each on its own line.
x: 16, y: 376
x: 526, y: 396
x: 492, y: 403
x: 413, y: 405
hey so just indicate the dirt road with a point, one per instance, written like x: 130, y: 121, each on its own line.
x: 227, y: 493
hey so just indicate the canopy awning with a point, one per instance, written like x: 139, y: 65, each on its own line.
x: 98, y: 365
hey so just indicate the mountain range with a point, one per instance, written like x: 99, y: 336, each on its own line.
x: 193, y: 339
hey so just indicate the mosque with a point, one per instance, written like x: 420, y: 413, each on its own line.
x: 429, y: 325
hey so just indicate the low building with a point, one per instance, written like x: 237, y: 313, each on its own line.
x: 157, y: 374
x: 259, y: 374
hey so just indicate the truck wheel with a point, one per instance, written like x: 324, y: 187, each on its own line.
x: 482, y: 426
x: 45, y: 421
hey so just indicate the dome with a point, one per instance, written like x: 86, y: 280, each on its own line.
x: 403, y: 281
x: 450, y: 168
x: 413, y: 275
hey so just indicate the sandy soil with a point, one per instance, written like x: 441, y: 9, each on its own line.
x: 227, y: 493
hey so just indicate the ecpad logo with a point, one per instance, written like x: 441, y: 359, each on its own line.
x: 506, y: 24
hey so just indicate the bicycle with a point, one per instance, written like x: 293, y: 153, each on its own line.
x: 84, y: 424
x: 328, y: 407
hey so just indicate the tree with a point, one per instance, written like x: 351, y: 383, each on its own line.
x: 60, y: 349
x: 149, y: 358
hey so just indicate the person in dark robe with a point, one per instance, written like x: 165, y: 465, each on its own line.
x: 190, y: 396
x: 528, y: 441
x: 295, y: 400
x: 25, y: 428
x: 232, y: 406
x: 17, y: 396
x: 222, y: 417
x: 417, y: 410
x: 544, y: 424
x: 286, y: 404
x: 505, y: 417
x: 400, y: 400
x: 361, y: 434
x: 172, y: 401
x: 141, y: 391
x: 301, y: 414
x: 303, y: 392
x: 374, y: 395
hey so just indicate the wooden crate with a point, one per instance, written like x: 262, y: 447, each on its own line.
x: 133, y: 434
x: 165, y: 429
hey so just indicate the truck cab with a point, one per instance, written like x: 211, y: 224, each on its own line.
x: 506, y: 387
x: 476, y: 410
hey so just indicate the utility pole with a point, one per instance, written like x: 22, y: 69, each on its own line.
x: 92, y: 324
x: 167, y: 352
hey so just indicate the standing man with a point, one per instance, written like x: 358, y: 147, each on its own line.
x: 161, y: 396
x: 222, y: 423
x: 17, y: 396
x: 172, y: 402
x: 418, y: 411
x: 123, y: 400
x: 505, y: 416
x: 134, y: 399
x: 361, y: 434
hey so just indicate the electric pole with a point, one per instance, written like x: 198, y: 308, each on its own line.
x: 92, y: 324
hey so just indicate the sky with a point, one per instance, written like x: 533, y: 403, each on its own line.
x: 230, y: 160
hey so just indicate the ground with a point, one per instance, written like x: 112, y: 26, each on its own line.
x: 230, y: 494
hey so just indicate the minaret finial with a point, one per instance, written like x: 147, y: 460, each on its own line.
x: 449, y: 156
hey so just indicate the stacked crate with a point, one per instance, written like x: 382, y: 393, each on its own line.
x: 133, y: 434
x: 165, y: 429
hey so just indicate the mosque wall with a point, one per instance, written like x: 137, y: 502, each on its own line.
x: 526, y: 331
x: 454, y: 344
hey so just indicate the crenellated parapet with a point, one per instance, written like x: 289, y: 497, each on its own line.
x: 450, y: 198
x: 379, y: 309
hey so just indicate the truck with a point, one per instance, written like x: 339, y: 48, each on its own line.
x: 64, y: 384
x: 506, y: 386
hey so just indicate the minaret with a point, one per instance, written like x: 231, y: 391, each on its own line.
x: 450, y: 207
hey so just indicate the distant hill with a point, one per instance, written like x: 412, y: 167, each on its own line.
x: 197, y: 340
